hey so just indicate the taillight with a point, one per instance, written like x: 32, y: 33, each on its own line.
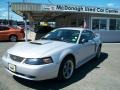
x: 21, y: 31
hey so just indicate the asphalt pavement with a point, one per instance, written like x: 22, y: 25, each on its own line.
x: 102, y: 74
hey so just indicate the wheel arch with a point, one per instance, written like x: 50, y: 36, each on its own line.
x: 13, y: 35
x: 73, y: 57
x: 63, y: 60
x: 68, y: 55
x: 97, y: 46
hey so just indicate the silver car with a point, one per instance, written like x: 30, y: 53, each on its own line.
x: 57, y: 54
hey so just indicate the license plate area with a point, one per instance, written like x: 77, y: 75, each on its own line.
x: 12, y: 67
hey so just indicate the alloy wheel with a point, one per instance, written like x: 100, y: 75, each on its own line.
x: 68, y: 69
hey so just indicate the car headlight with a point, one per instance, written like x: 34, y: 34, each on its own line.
x: 38, y: 61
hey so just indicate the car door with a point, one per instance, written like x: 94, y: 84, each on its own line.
x: 4, y: 33
x: 87, y: 47
x: 91, y: 41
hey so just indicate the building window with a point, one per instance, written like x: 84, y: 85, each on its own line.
x: 95, y: 24
x: 103, y: 24
x: 114, y: 24
x: 118, y: 24
x: 99, y: 24
x: 73, y: 23
x: 81, y: 22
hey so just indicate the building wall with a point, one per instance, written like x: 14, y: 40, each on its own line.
x: 109, y: 36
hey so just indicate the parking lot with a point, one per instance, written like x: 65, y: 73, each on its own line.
x: 102, y: 74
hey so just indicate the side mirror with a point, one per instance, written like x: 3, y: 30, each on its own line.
x: 84, y: 40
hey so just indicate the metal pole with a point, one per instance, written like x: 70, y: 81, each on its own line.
x: 25, y: 23
x: 8, y: 12
x: 26, y: 36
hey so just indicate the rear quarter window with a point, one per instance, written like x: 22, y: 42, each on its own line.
x: 3, y: 28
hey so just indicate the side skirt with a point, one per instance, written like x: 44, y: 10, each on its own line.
x: 85, y: 60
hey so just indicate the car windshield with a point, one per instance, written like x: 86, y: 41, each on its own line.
x: 70, y: 36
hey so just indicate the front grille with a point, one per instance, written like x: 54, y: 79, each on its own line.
x: 16, y: 58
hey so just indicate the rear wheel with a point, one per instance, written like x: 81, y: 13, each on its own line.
x: 66, y: 69
x: 13, y: 38
x: 98, y: 54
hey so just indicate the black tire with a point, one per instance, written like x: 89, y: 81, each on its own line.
x: 13, y: 38
x: 98, y: 53
x: 62, y: 75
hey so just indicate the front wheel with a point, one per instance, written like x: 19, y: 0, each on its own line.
x: 66, y: 69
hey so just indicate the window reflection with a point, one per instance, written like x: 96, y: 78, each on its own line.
x: 98, y: 24
x: 95, y: 24
x: 102, y: 24
x: 112, y: 24
x: 118, y: 24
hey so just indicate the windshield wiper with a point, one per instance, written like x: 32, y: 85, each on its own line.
x: 56, y: 39
x: 44, y: 38
x: 36, y: 43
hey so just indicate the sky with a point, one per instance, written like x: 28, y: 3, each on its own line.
x: 98, y: 3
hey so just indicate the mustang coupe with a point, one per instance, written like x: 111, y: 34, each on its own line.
x: 55, y: 55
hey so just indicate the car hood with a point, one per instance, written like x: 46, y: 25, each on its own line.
x: 36, y: 49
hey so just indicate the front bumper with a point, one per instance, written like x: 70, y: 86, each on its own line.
x: 31, y: 72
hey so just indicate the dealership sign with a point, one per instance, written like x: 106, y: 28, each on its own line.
x: 86, y: 9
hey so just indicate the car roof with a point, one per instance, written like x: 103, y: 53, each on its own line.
x: 74, y: 28
x: 5, y: 26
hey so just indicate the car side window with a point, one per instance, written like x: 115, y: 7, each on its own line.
x: 91, y: 35
x: 0, y: 28
x: 3, y: 28
x: 83, y: 38
x: 86, y: 36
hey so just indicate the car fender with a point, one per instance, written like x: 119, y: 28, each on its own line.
x: 66, y: 53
